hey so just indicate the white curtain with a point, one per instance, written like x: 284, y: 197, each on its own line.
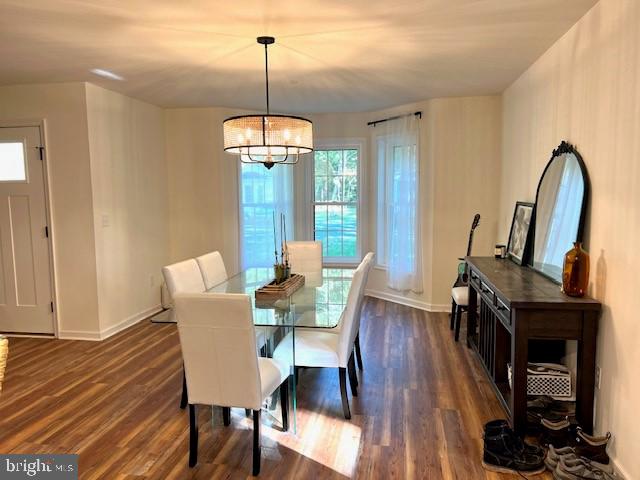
x: 399, y: 197
x: 262, y: 193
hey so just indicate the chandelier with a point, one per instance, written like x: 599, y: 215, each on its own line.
x: 268, y: 139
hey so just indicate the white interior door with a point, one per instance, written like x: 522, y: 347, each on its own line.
x: 25, y: 268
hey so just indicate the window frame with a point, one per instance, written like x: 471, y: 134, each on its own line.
x: 338, y: 144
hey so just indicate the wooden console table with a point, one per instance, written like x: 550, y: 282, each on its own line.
x: 508, y: 306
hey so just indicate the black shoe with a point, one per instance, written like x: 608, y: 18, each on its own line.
x: 504, y: 451
x: 496, y: 427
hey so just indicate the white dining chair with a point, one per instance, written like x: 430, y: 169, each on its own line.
x: 212, y: 268
x: 367, y: 263
x: 315, y: 348
x: 305, y: 256
x: 183, y: 277
x: 222, y: 367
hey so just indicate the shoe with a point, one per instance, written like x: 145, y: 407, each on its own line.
x: 496, y: 427
x: 505, y: 452
x: 554, y: 459
x: 581, y: 469
x: 557, y: 433
x: 591, y: 447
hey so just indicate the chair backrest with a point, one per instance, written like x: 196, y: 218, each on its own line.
x: 183, y: 277
x: 348, y: 330
x: 367, y: 263
x: 218, y: 343
x: 305, y: 256
x: 212, y: 268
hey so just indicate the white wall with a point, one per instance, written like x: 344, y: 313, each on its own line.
x: 63, y: 107
x: 585, y: 90
x: 130, y: 205
x: 460, y: 166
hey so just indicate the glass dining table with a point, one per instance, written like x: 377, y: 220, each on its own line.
x: 319, y: 303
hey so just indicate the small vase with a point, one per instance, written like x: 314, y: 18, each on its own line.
x: 575, y: 274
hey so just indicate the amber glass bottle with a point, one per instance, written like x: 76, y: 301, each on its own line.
x: 575, y: 274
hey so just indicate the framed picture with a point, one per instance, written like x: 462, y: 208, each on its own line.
x: 519, y: 235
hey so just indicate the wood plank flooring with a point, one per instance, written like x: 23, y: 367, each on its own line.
x: 422, y: 402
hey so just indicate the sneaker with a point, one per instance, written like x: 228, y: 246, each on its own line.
x: 505, y: 452
x: 581, y: 469
x: 554, y: 454
x: 592, y: 447
x: 556, y: 433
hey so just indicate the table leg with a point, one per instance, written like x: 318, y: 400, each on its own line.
x: 585, y: 374
x: 519, y: 362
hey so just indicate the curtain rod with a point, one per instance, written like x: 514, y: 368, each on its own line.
x: 375, y: 122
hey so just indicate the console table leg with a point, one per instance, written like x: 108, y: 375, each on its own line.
x: 519, y: 362
x: 586, y: 371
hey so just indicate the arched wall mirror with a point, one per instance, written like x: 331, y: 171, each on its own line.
x: 559, y: 212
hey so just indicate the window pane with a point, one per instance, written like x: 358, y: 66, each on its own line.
x: 334, y: 189
x: 321, y: 189
x: 334, y: 242
x: 335, y: 217
x: 335, y: 162
x: 320, y: 215
x: 320, y: 167
x: 12, y: 167
x: 350, y: 189
x: 351, y: 162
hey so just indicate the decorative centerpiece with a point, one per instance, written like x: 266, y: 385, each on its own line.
x: 284, y: 283
x: 281, y: 267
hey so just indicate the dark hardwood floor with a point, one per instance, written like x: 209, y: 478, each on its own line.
x: 422, y: 402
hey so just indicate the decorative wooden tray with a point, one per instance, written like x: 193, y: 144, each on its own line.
x: 273, y: 291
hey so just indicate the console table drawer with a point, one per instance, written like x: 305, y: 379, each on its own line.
x: 504, y: 312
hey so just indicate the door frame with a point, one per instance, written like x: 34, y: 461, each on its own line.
x: 41, y: 124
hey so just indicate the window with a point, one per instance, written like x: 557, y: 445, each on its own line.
x: 398, y: 243
x: 263, y: 192
x: 12, y: 167
x: 335, y: 203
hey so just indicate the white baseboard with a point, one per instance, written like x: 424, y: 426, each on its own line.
x: 128, y: 322
x: 79, y: 335
x: 112, y: 330
x: 409, y: 302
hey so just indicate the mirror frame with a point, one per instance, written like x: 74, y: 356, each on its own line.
x: 564, y: 148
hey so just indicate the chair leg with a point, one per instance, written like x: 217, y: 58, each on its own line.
x: 193, y: 436
x: 226, y: 416
x: 353, y: 379
x: 247, y: 412
x: 183, y: 400
x: 458, y: 322
x: 256, y: 442
x: 453, y: 314
x: 284, y: 404
x: 342, y: 372
x: 358, y: 353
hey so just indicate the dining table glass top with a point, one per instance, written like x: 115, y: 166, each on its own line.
x: 319, y: 303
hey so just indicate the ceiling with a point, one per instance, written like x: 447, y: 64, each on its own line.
x: 329, y: 56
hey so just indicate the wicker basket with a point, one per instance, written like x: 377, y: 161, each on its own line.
x: 4, y: 351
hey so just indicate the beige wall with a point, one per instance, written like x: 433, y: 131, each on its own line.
x: 63, y: 108
x: 460, y: 166
x: 585, y: 90
x: 130, y: 205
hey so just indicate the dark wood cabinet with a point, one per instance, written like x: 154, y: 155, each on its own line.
x: 509, y: 306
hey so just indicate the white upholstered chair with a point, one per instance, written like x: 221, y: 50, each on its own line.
x: 367, y: 263
x: 183, y: 277
x: 217, y: 337
x: 212, y: 267
x: 305, y: 256
x: 317, y: 348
